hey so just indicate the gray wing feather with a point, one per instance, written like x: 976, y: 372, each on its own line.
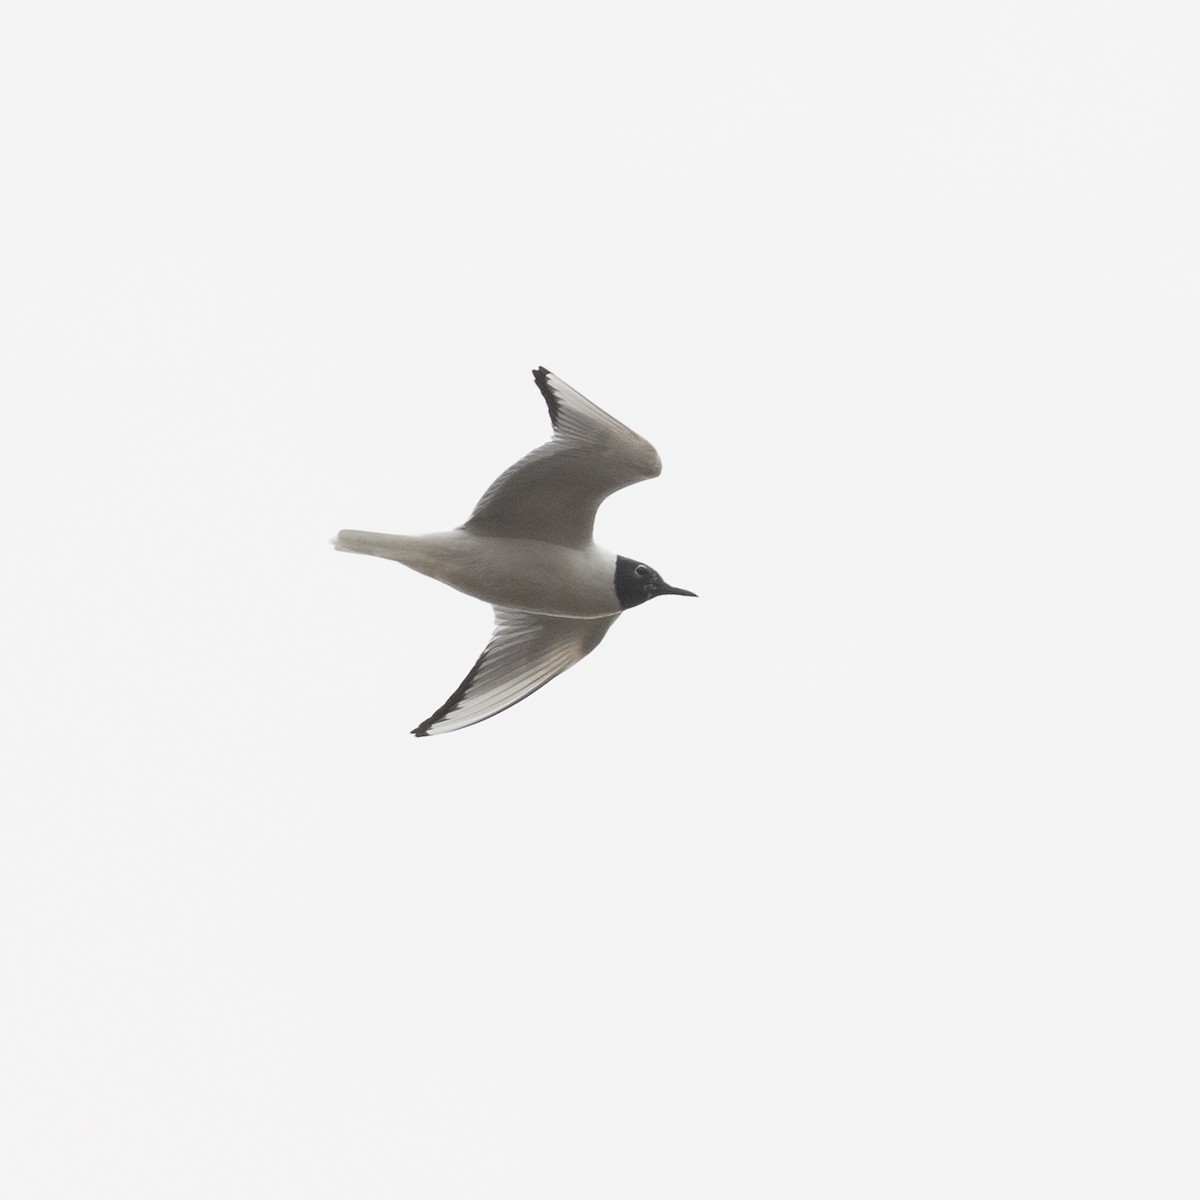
x: 553, y: 493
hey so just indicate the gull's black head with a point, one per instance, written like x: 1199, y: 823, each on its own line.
x: 636, y: 583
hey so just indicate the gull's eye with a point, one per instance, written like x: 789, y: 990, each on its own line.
x: 642, y: 570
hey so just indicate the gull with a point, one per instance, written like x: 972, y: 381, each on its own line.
x: 527, y: 550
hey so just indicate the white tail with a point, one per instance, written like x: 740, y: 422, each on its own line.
x: 383, y: 545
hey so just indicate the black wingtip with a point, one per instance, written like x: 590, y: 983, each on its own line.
x: 542, y: 378
x: 426, y: 726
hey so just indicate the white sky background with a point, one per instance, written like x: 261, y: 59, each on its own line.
x: 870, y: 873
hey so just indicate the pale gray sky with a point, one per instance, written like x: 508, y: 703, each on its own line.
x: 870, y: 873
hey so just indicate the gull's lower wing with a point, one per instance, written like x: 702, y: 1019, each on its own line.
x: 527, y: 650
x: 553, y: 493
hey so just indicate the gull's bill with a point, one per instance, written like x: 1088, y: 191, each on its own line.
x: 552, y: 494
x: 527, y: 650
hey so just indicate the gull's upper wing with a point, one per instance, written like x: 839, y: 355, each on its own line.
x: 552, y: 494
x: 527, y: 650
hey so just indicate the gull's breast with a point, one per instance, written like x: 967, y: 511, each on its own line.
x: 531, y: 576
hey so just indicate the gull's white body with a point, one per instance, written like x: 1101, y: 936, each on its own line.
x: 535, y: 577
x: 527, y: 550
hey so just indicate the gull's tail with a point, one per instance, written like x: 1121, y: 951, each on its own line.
x: 395, y: 546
